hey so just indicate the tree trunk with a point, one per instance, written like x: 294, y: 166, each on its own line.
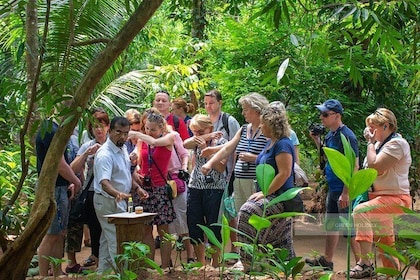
x: 199, y: 19
x: 15, y: 261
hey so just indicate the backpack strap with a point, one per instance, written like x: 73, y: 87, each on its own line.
x: 225, y: 123
x: 176, y: 122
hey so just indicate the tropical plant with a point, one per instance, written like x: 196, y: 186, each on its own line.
x: 357, y: 182
x: 133, y: 262
x: 63, y: 74
x: 265, y: 256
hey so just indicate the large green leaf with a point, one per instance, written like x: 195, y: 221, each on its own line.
x: 339, y: 164
x: 265, y: 175
x: 258, y: 222
x: 210, y: 235
x: 225, y: 230
x: 361, y: 182
x: 348, y: 151
x: 287, y: 195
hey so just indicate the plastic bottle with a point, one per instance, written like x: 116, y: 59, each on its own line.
x: 130, y: 205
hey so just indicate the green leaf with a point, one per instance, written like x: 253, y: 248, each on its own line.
x: 287, y: 195
x: 225, y: 230
x: 393, y: 252
x: 210, y: 235
x: 265, y: 174
x: 339, y: 164
x: 387, y: 271
x: 348, y: 151
x: 258, y: 222
x: 361, y: 182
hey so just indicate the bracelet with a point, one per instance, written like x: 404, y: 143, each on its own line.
x: 370, y: 143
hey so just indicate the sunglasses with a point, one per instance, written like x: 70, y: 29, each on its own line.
x: 326, y: 115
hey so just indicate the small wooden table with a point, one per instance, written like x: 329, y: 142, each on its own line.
x: 129, y: 226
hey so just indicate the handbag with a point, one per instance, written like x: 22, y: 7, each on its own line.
x: 171, y: 189
x: 77, y: 209
x: 301, y: 180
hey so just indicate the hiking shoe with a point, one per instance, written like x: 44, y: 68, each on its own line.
x: 322, y: 262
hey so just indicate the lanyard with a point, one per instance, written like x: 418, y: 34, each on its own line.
x: 251, y: 138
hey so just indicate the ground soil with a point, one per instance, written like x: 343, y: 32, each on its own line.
x: 309, y: 240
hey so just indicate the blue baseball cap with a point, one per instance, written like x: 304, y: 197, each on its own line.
x: 331, y: 105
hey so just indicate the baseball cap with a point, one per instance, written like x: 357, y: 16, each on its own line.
x: 331, y: 105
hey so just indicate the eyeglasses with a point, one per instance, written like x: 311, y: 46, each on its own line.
x: 326, y: 115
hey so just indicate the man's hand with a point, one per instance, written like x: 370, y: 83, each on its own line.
x: 343, y: 200
x: 120, y: 196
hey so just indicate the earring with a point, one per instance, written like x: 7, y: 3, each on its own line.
x: 385, y: 126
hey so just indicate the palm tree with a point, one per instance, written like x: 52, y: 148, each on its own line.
x: 80, y: 42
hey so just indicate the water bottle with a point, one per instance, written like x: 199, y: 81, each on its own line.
x: 130, y: 205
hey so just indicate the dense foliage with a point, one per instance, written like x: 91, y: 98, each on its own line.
x: 364, y: 53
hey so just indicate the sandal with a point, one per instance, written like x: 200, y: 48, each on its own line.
x: 360, y: 271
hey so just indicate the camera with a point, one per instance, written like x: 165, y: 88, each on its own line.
x: 183, y: 175
x: 317, y: 129
x: 147, y: 181
x: 209, y: 179
x: 245, y: 166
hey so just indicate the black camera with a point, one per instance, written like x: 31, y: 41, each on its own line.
x: 317, y: 129
x: 147, y: 181
x: 183, y: 175
x: 245, y: 166
x: 209, y: 179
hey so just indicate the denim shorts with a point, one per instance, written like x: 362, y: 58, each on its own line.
x: 61, y: 218
x: 334, y: 212
x: 203, y: 209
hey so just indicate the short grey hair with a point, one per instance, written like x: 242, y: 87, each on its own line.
x: 255, y: 100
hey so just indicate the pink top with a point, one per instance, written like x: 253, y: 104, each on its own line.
x: 161, y: 156
x: 175, y: 163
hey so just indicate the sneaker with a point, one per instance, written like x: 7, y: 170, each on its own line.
x: 322, y: 262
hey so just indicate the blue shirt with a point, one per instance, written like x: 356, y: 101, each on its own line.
x: 268, y: 156
x: 333, y: 140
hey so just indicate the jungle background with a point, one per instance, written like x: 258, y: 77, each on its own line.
x: 116, y: 54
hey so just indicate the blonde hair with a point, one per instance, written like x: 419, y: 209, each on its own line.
x: 255, y: 100
x: 200, y: 121
x: 276, y: 119
x: 133, y: 116
x: 153, y: 115
x: 382, y: 116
